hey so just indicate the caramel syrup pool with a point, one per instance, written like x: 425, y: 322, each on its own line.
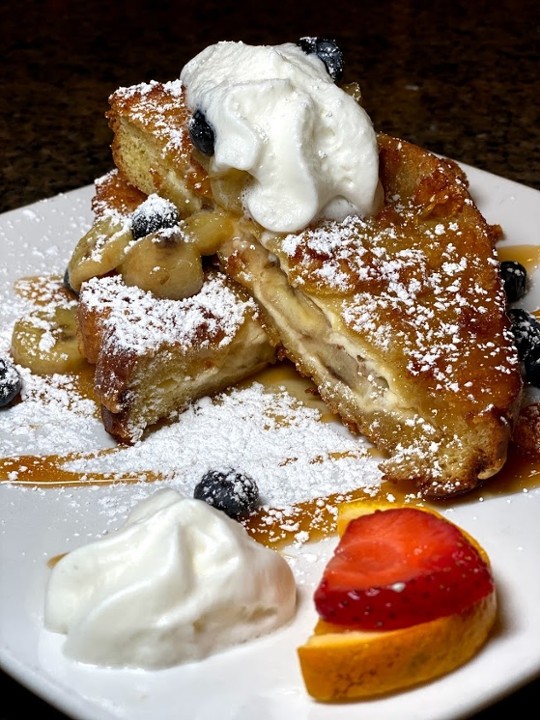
x: 273, y: 526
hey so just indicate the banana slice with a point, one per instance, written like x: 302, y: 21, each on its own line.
x: 45, y: 340
x: 100, y: 251
x: 229, y: 189
x: 208, y: 229
x: 164, y: 264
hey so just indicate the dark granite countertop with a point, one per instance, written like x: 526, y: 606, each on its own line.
x: 458, y: 77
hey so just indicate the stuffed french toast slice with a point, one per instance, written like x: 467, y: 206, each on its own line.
x: 155, y: 353
x: 400, y: 321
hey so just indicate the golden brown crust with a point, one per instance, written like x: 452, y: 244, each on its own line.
x: 527, y: 430
x: 153, y: 355
x: 113, y: 193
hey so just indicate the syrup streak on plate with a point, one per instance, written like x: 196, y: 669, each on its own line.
x: 260, y: 679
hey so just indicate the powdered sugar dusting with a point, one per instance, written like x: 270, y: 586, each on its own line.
x: 262, y: 429
x: 266, y: 433
x: 143, y: 107
x: 52, y: 417
x: 407, y: 285
x: 140, y: 323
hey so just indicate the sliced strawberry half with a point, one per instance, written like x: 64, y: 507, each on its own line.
x: 400, y: 567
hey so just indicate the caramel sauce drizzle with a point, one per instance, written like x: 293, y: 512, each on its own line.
x: 527, y: 255
x: 309, y: 520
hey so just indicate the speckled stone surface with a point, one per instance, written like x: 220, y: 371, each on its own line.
x: 458, y: 77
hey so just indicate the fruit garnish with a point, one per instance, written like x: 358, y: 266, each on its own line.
x: 326, y: 50
x: 154, y: 214
x: 99, y: 251
x: 514, y: 277
x: 526, y: 330
x: 233, y: 492
x: 10, y: 382
x: 349, y: 662
x: 201, y: 133
x: 45, y: 340
x: 400, y: 567
x: 165, y: 264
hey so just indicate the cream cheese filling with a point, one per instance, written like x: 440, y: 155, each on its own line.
x: 310, y: 331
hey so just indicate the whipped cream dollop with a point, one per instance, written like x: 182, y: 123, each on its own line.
x: 177, y: 582
x: 309, y: 147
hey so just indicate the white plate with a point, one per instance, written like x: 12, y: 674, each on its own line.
x: 260, y: 680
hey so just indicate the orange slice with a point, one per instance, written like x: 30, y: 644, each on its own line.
x: 339, y: 663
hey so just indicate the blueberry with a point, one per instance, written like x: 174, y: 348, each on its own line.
x: 202, y: 133
x: 228, y: 490
x: 514, y: 277
x: 526, y: 330
x: 328, y: 51
x: 154, y: 214
x: 10, y: 382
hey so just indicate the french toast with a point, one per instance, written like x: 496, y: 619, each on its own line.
x: 399, y: 318
x: 154, y: 355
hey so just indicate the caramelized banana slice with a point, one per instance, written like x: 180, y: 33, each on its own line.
x: 100, y: 251
x: 164, y: 264
x: 229, y: 189
x: 208, y: 229
x: 45, y: 340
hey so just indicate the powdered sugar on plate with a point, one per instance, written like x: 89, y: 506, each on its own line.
x: 286, y: 446
x: 267, y: 434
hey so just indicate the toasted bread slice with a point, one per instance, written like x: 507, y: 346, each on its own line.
x: 151, y: 144
x: 399, y: 319
x: 153, y: 356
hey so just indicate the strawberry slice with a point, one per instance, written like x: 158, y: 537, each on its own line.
x: 400, y: 567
